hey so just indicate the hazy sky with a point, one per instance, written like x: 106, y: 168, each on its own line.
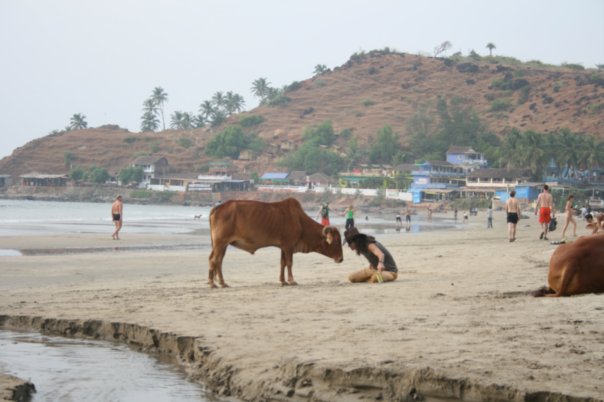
x: 103, y: 58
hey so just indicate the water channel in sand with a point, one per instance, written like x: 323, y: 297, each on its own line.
x: 66, y: 369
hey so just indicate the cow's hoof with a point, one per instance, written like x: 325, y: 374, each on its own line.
x: 284, y: 284
x: 292, y: 283
x: 224, y: 285
x: 213, y: 286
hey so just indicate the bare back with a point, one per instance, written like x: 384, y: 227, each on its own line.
x: 116, y: 207
x: 545, y: 200
x: 512, y: 206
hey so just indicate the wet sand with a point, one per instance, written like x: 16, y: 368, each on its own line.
x: 458, y: 324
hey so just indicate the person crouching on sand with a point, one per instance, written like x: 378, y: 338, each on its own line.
x: 382, y: 267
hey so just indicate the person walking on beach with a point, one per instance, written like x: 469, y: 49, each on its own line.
x: 324, y: 214
x: 349, y: 214
x: 570, y: 212
x: 545, y: 208
x: 512, y: 209
x: 382, y: 267
x: 399, y: 221
x: 117, y: 215
x: 408, y: 216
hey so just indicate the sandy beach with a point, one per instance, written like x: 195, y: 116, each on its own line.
x: 458, y: 324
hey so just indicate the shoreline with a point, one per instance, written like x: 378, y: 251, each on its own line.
x: 458, y: 324
x: 387, y: 381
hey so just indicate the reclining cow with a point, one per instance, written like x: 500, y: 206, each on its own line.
x: 576, y: 268
x: 250, y: 225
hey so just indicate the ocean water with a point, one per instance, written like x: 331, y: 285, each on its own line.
x: 19, y: 217
x: 54, y: 217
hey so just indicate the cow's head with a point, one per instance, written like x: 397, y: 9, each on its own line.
x: 332, y: 243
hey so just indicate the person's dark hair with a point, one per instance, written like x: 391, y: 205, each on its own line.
x: 545, y: 187
x: 362, y: 242
x: 570, y: 197
x: 513, y: 193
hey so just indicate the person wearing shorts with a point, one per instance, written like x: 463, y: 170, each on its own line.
x: 117, y: 212
x: 545, y: 208
x: 512, y: 208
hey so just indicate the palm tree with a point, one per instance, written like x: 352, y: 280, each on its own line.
x: 218, y: 99
x: 320, y: 69
x: 206, y: 110
x: 181, y: 121
x: 260, y: 88
x: 490, y: 46
x: 77, y: 122
x: 233, y: 103
x: 160, y: 97
x: 532, y: 154
x: 198, y: 121
x: 568, y: 144
x: 149, y: 121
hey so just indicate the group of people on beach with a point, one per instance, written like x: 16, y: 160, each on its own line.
x: 545, y: 211
x: 382, y: 267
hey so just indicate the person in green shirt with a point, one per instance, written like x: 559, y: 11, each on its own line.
x: 349, y: 214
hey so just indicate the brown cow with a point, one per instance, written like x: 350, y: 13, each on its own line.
x: 250, y: 225
x: 576, y: 268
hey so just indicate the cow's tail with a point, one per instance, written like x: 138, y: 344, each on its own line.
x: 542, y: 291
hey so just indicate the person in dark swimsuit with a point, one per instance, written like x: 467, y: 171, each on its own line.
x: 512, y: 208
x: 117, y: 210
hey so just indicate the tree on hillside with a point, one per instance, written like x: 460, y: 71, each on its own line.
x: 230, y: 142
x: 206, y: 110
x: 69, y: 158
x: 384, y: 149
x: 320, y: 69
x: 131, y: 174
x: 321, y: 134
x: 312, y: 158
x: 181, y: 120
x: 160, y: 97
x: 77, y: 122
x: 490, y: 46
x: 261, y: 89
x: 233, y: 103
x: 443, y: 47
x: 149, y: 119
x: 218, y: 100
x: 97, y: 175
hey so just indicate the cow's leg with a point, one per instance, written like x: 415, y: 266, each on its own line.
x: 215, y: 259
x: 289, y: 261
x: 567, y: 274
x: 282, y: 271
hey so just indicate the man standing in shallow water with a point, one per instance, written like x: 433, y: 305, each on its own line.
x: 546, y: 212
x: 117, y: 215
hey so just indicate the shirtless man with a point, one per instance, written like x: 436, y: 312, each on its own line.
x: 513, y: 214
x: 546, y: 212
x: 117, y: 215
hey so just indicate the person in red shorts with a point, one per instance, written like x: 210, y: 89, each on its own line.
x: 545, y: 208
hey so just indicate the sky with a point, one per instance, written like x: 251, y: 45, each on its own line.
x: 103, y: 58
